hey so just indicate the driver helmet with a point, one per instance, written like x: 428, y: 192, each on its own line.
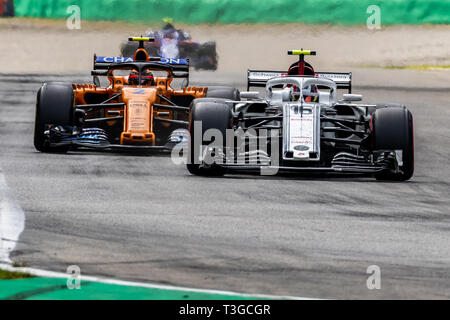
x: 294, y: 93
x: 168, y: 24
x: 147, y: 78
x: 169, y: 31
x: 310, y: 93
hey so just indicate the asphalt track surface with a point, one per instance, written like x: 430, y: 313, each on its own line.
x: 142, y: 218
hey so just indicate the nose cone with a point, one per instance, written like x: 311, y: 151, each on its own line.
x: 138, y: 122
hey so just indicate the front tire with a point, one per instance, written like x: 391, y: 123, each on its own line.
x: 213, y: 114
x: 54, y: 106
x: 392, y: 129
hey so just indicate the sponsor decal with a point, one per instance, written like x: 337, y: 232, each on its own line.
x: 261, y: 76
x: 114, y: 59
x: 334, y: 76
x: 301, y: 148
x: 138, y: 116
x: 174, y: 61
x: 130, y: 59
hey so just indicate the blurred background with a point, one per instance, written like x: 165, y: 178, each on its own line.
x: 365, y: 37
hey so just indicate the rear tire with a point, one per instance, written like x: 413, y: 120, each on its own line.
x: 128, y: 49
x: 393, y: 130
x: 224, y: 92
x: 54, y: 105
x: 372, y: 109
x: 214, y: 114
x: 208, y: 49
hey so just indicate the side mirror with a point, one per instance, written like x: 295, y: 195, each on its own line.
x: 181, y: 74
x: 185, y: 83
x: 352, y: 97
x: 96, y: 81
x: 250, y: 95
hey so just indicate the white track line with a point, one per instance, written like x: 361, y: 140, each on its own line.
x: 12, y: 221
x: 53, y: 274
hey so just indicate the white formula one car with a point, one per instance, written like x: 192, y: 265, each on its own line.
x: 300, y: 125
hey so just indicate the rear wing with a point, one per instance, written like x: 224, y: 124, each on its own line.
x: 104, y: 63
x: 343, y: 80
x: 259, y: 78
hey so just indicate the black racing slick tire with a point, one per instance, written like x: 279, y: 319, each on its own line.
x: 213, y: 114
x: 208, y: 51
x: 54, y: 106
x: 372, y: 109
x: 128, y: 49
x: 392, y: 129
x: 229, y: 93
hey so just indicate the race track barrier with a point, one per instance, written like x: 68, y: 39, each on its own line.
x: 340, y: 12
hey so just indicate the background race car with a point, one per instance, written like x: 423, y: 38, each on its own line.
x: 175, y: 43
x: 6, y: 8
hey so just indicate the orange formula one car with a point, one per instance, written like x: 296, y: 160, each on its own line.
x: 137, y: 110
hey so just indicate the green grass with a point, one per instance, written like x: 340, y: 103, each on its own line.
x: 426, y: 67
x: 7, y: 275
